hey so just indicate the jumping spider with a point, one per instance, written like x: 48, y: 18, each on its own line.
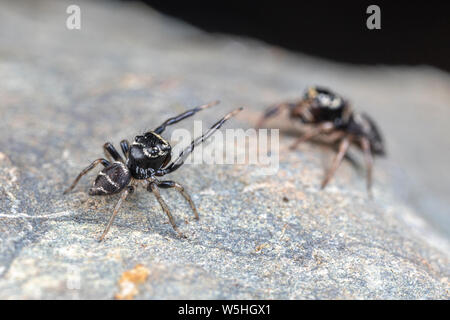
x: 328, y: 113
x: 146, y: 159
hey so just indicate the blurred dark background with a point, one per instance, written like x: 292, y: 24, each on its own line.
x: 412, y: 32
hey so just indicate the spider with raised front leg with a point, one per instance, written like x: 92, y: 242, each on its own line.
x: 147, y: 158
x: 328, y: 113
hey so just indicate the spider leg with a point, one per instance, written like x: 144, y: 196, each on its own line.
x: 185, y: 153
x: 110, y: 151
x: 123, y: 196
x: 313, y: 132
x: 125, y: 146
x: 172, y: 184
x: 104, y: 162
x: 183, y: 116
x: 154, y: 189
x: 365, y: 143
x: 332, y: 137
x: 343, y: 147
x: 272, y: 112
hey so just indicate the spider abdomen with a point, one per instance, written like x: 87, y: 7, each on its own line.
x: 112, y: 179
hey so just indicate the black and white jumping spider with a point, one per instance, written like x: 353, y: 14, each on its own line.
x: 328, y: 113
x: 146, y: 159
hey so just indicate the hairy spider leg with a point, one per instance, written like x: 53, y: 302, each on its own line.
x: 123, y: 196
x: 104, y: 162
x: 183, y: 116
x: 110, y: 151
x: 312, y: 132
x: 185, y: 153
x: 333, y: 136
x: 172, y: 184
x: 125, y: 146
x: 154, y: 189
x: 343, y: 147
x: 365, y: 144
x: 273, y: 111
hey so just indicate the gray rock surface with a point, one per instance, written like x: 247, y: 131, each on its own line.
x: 64, y: 93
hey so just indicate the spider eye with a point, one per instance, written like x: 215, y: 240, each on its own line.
x: 336, y: 102
x: 151, y: 152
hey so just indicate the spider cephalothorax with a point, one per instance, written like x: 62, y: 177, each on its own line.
x: 328, y: 113
x: 147, y: 158
x: 319, y: 105
x: 148, y: 153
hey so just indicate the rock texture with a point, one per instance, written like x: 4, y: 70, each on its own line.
x: 64, y: 93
